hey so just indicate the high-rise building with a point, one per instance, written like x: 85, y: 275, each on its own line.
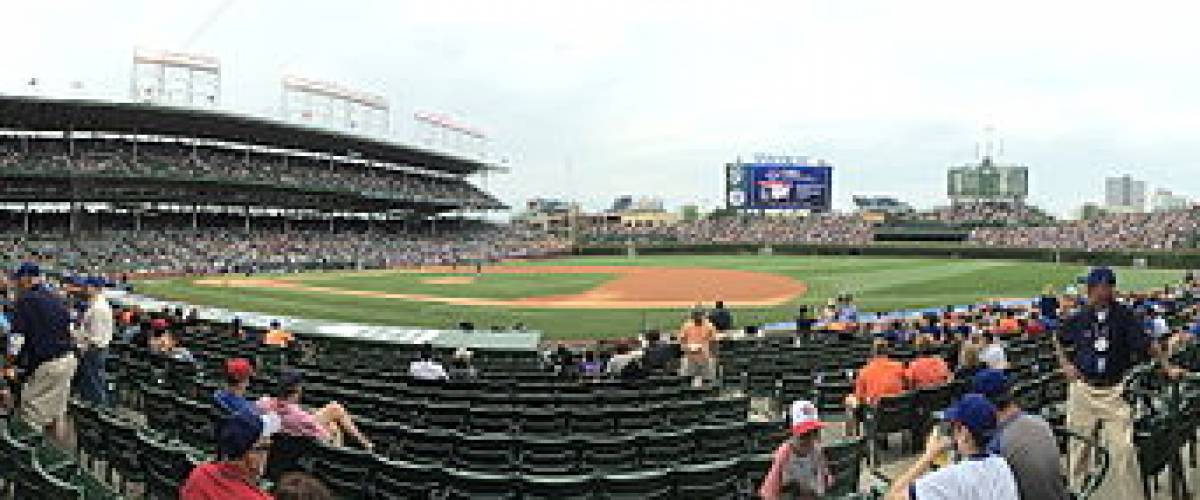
x: 1164, y: 200
x: 1124, y: 194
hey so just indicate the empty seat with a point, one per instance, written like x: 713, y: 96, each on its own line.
x: 539, y: 421
x: 712, y: 480
x: 557, y: 487
x: 665, y: 450
x: 470, y: 485
x: 398, y: 479
x: 646, y: 484
x: 612, y: 454
x: 548, y: 456
x: 486, y: 452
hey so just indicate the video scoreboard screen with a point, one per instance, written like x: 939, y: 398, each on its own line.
x: 779, y: 186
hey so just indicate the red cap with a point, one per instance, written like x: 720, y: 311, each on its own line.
x: 158, y: 324
x: 239, y: 368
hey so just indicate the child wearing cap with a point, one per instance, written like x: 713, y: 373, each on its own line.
x: 232, y: 398
x: 799, y: 468
x: 979, y: 476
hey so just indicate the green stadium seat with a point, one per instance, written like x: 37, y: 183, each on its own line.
x: 607, y: 455
x: 398, y: 479
x: 557, y: 487
x: 469, y: 485
x: 713, y: 480
x: 487, y: 453
x: 548, y: 456
x: 640, y: 485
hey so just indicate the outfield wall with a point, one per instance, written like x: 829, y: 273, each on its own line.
x: 1182, y: 259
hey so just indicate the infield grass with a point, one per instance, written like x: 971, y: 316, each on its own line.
x: 876, y: 283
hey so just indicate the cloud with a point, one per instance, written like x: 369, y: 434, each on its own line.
x: 651, y: 98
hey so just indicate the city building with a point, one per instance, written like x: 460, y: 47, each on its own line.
x: 1164, y: 200
x: 1124, y: 194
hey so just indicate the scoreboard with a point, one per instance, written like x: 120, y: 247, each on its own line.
x: 794, y: 184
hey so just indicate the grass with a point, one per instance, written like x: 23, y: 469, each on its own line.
x: 877, y: 284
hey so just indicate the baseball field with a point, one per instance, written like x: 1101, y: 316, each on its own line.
x: 598, y: 297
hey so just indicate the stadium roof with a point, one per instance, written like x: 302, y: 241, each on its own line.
x: 47, y: 114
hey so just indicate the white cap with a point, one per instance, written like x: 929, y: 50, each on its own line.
x: 993, y: 357
x: 804, y: 417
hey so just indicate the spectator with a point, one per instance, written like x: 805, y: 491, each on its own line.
x: 277, y: 336
x: 590, y: 367
x: 301, y: 486
x: 968, y: 359
x: 927, y: 370
x: 1025, y: 441
x: 426, y: 367
x: 618, y: 362
x: 92, y: 337
x: 232, y: 399
x: 697, y: 336
x: 1108, y: 339
x: 798, y: 466
x: 329, y: 424
x: 721, y: 318
x: 243, y: 439
x: 166, y: 344
x: 47, y: 353
x: 993, y: 356
x: 657, y: 357
x: 880, y: 377
x: 979, y: 476
x: 461, y: 368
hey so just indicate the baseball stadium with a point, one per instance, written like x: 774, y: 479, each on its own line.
x: 207, y: 303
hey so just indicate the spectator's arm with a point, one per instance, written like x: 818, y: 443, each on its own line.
x: 900, y: 489
x: 773, y: 482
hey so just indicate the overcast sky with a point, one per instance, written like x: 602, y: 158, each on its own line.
x: 592, y: 99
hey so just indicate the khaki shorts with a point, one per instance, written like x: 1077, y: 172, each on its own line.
x: 703, y: 368
x: 44, y: 397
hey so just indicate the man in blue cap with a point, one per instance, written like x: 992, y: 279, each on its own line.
x: 978, y: 476
x: 47, y: 354
x: 1026, y: 441
x: 243, y: 439
x: 1108, y: 339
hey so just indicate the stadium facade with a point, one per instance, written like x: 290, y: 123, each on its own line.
x: 78, y: 165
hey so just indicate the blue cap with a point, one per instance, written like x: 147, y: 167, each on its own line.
x: 239, y: 432
x: 1101, y: 276
x: 95, y: 281
x: 975, y: 412
x: 27, y: 269
x: 994, y: 384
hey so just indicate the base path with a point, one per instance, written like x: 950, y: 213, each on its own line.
x: 633, y: 287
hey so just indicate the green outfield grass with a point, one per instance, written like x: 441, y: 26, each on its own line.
x: 877, y: 284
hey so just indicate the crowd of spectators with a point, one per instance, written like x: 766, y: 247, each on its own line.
x: 826, y: 229
x: 181, y: 162
x: 1166, y: 230
x: 209, y: 251
x: 986, y: 214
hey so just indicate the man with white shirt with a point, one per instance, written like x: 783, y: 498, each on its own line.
x: 93, y: 335
x: 978, y: 476
x: 427, y: 368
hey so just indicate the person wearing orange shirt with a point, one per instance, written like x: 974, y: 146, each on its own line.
x: 696, y: 337
x: 1008, y: 324
x: 277, y: 336
x: 881, y: 376
x: 927, y: 370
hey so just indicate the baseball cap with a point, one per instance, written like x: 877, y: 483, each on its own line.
x: 804, y: 418
x: 239, y: 432
x: 973, y: 411
x: 993, y: 384
x: 1101, y: 276
x: 27, y: 269
x: 290, y: 378
x: 239, y: 368
x: 158, y: 324
x: 95, y: 281
x: 993, y: 356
